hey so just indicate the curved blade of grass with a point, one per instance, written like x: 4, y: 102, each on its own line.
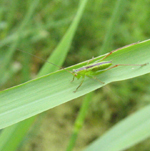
x: 33, y: 97
x: 126, y: 133
x: 64, y: 45
x: 11, y: 137
x: 20, y: 129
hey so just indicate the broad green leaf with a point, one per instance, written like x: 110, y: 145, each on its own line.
x: 126, y: 133
x: 35, y: 96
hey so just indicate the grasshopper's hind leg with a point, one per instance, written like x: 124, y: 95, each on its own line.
x: 127, y: 65
x: 117, y: 50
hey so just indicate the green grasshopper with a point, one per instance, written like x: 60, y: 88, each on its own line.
x: 92, y: 69
x: 97, y: 68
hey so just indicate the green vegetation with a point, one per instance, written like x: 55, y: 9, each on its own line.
x: 72, y: 32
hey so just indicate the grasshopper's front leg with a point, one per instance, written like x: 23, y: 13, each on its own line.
x: 73, y: 79
x: 79, y: 85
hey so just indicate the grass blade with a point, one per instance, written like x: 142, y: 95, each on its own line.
x: 33, y: 97
x: 126, y: 133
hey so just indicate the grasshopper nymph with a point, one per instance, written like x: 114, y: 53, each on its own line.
x: 96, y: 68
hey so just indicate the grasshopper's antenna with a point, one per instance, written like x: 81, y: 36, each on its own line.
x: 43, y: 59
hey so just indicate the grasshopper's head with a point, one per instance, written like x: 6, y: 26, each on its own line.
x: 76, y: 74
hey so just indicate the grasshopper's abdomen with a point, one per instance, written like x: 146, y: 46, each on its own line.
x: 99, y: 66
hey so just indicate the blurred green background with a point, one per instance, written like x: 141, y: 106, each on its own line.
x: 40, y: 36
